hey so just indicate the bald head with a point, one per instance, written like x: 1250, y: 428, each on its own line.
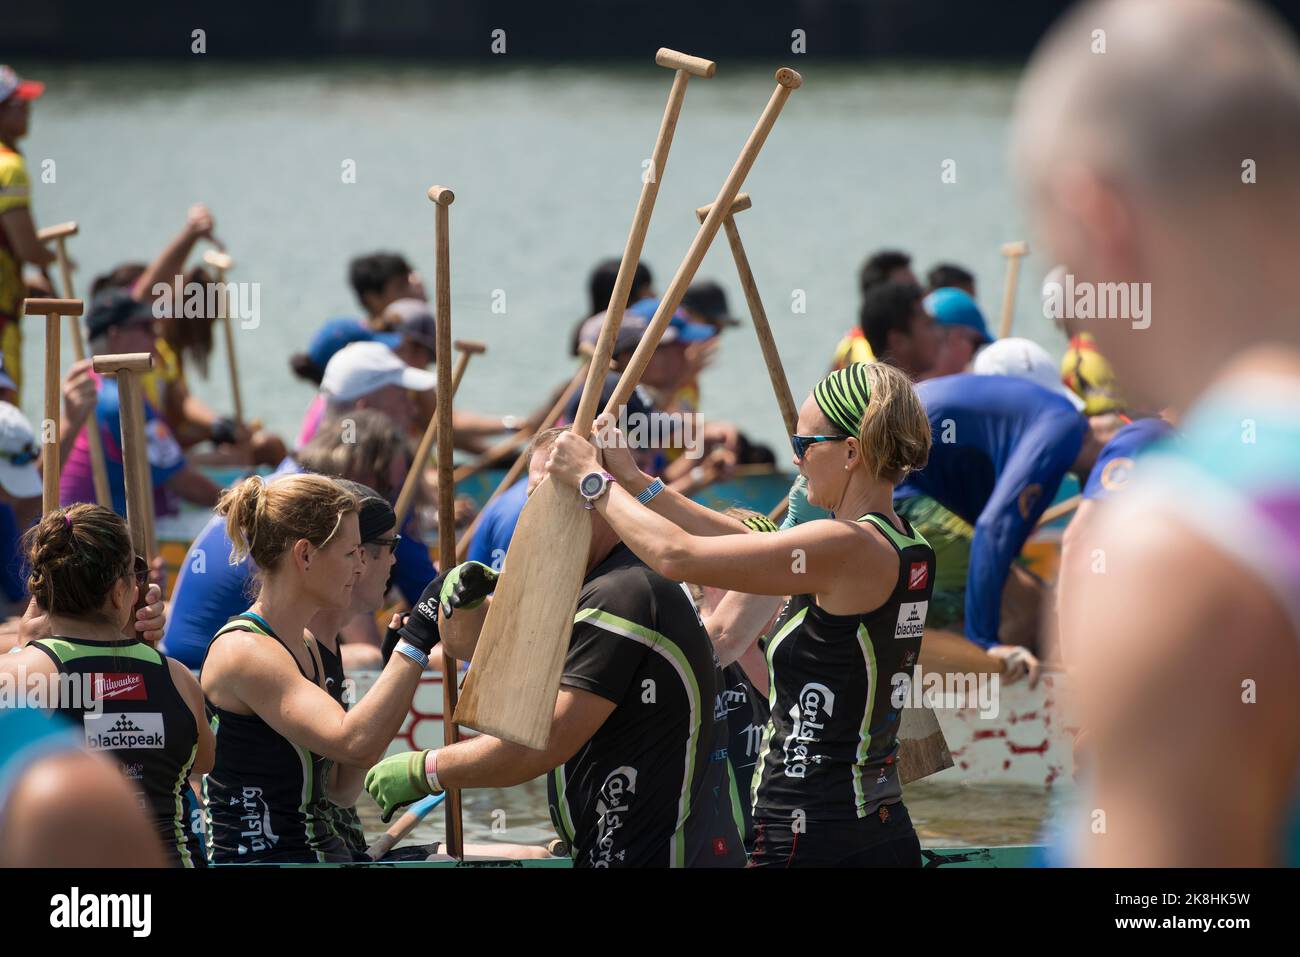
x: 1165, y: 96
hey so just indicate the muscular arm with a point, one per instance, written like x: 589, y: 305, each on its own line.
x: 735, y: 626
x: 189, y: 689
x: 487, y: 762
x: 195, y: 487
x: 21, y: 233
x: 1077, y: 544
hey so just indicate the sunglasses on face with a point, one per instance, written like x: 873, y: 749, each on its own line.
x: 802, y: 443
x: 375, y: 544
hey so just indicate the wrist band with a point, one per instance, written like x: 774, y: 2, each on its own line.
x: 431, y: 770
x: 404, y: 647
x: 650, y: 491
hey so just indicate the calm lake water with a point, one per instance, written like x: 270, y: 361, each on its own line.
x: 546, y: 167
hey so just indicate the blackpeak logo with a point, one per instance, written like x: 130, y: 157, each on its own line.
x: 641, y: 431
x: 1130, y: 301
x: 123, y: 731
x: 77, y: 910
x: 179, y: 299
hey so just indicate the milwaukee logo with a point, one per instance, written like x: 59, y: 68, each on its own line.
x: 918, y: 577
x: 118, y: 686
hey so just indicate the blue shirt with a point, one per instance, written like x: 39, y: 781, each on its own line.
x: 1114, y: 465
x: 1000, y: 448
x: 497, y: 526
x: 209, y: 590
x: 12, y: 582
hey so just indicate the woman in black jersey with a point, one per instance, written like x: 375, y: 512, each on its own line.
x: 129, y: 701
x: 828, y: 792
x: 285, y: 747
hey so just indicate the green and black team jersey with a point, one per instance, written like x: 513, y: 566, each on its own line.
x: 136, y: 714
x: 265, y: 794
x: 747, y: 716
x: 828, y: 753
x: 653, y: 787
x: 344, y: 820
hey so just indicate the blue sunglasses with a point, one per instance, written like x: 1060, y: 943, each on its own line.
x: 802, y: 443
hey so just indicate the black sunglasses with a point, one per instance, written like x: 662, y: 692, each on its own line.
x: 802, y: 443
x: 391, y: 542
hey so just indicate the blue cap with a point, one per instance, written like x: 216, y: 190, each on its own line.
x: 955, y: 307
x: 680, y: 328
x: 337, y: 333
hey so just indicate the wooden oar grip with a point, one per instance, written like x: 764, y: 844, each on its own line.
x: 469, y: 346
x: 694, y: 65
x: 788, y: 78
x: 218, y: 260
x: 741, y: 204
x: 441, y: 195
x: 53, y: 307
x: 122, y: 362
x: 59, y: 231
x: 1017, y: 248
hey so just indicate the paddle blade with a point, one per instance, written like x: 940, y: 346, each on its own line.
x: 514, y: 678
x: 922, y: 749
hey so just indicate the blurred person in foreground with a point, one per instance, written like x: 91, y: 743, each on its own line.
x: 1138, y: 167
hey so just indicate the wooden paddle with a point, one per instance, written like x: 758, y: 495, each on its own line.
x: 442, y: 198
x: 98, y: 469
x: 415, y: 474
x: 135, y: 453
x: 52, y: 309
x: 1058, y: 510
x: 1013, y: 251
x: 521, y: 460
x: 404, y: 825
x: 510, y: 692
x: 222, y: 262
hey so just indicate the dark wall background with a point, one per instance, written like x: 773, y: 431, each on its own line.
x: 535, y: 29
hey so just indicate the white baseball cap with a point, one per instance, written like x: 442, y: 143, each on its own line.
x: 1023, y: 359
x: 18, y: 454
x: 364, y: 367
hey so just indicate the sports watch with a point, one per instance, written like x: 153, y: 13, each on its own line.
x: 593, y: 486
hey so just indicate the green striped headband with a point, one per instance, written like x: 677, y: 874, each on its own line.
x: 843, y: 396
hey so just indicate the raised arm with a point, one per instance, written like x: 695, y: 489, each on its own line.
x: 170, y: 263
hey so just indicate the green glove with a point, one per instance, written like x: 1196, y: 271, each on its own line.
x: 800, y: 510
x: 398, y: 781
x: 466, y: 586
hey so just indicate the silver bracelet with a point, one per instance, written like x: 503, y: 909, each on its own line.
x: 404, y: 647
x: 650, y: 491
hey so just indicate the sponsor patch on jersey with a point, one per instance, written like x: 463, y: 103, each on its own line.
x: 119, y: 686
x: 1029, y: 500
x: 918, y: 576
x: 121, y: 731
x: 1116, y: 473
x: 911, y: 619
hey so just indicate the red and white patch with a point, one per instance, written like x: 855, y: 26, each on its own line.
x: 119, y: 686
x: 918, y: 576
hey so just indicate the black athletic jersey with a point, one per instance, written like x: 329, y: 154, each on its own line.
x: 344, y: 820
x: 828, y: 753
x: 653, y: 787
x: 747, y: 716
x: 265, y: 794
x: 135, y: 713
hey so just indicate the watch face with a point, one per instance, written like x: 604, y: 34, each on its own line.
x: 591, y: 484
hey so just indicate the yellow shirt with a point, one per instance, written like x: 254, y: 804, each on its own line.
x: 852, y: 348
x: 15, y: 193
x: 167, y: 371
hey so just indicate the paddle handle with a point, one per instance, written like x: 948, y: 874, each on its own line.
x: 685, y: 68
x: 50, y: 460
x: 236, y: 397
x: 787, y: 81
x: 404, y: 825
x: 416, y: 471
x: 521, y: 460
x: 135, y: 465
x: 1013, y: 252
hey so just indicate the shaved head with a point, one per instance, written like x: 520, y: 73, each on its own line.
x: 1158, y: 143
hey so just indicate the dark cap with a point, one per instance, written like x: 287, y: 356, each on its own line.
x: 376, y: 517
x: 413, y: 319
x: 708, y: 299
x: 114, y: 307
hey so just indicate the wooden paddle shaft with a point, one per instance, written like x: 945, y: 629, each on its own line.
x: 685, y: 67
x: 98, y: 468
x: 521, y: 460
x: 771, y: 356
x: 50, y: 427
x: 415, y: 473
x: 135, y: 454
x: 442, y: 199
x: 222, y: 262
x: 787, y: 81
x: 1013, y: 252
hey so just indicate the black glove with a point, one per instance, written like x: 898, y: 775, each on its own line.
x: 391, y: 637
x: 223, y: 432
x: 421, y: 626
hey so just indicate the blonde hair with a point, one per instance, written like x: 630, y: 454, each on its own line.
x: 264, y: 519
x: 895, y: 433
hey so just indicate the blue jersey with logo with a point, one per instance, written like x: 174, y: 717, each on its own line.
x: 1000, y: 448
x: 1115, y: 463
x: 497, y: 526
